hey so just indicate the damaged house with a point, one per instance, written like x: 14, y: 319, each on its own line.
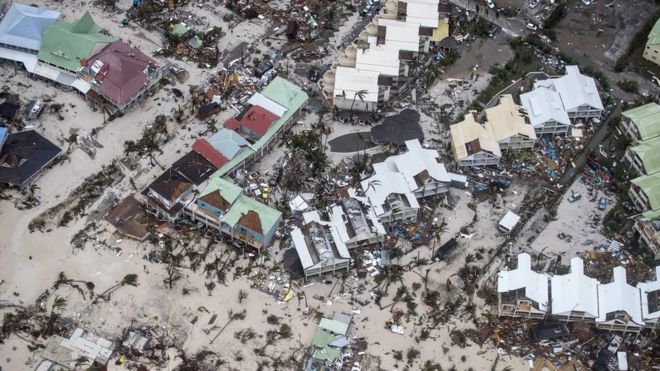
x: 650, y: 297
x: 647, y: 228
x: 644, y: 192
x: 23, y: 157
x: 120, y: 75
x: 376, y: 65
x: 399, y: 180
x: 574, y: 295
x: 619, y: 304
x: 641, y: 123
x: 579, y: 94
x: 222, y: 205
x: 644, y: 157
x: 545, y: 112
x: 249, y: 136
x: 505, y: 128
x: 521, y: 292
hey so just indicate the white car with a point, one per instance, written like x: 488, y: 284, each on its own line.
x: 490, y: 4
x: 532, y: 26
x: 534, y: 3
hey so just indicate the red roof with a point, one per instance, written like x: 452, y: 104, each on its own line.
x: 254, y: 118
x: 123, y: 74
x: 206, y: 150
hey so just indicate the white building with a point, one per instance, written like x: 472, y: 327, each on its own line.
x: 578, y: 93
x: 358, y: 90
x: 400, y: 35
x: 320, y: 246
x: 382, y: 59
x: 399, y: 180
x: 522, y: 292
x: 545, y: 112
x: 650, y: 297
x: 357, y: 226
x: 574, y: 295
x: 619, y: 304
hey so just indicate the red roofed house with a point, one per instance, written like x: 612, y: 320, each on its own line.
x: 206, y: 150
x: 253, y: 122
x: 121, y: 74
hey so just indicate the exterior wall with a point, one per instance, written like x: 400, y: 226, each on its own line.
x: 328, y: 266
x: 584, y: 112
x: 345, y: 104
x: 652, y: 53
x: 210, y: 208
x: 516, y: 143
x: 521, y: 309
x: 20, y: 49
x: 480, y: 159
x: 551, y: 127
x: 575, y: 317
x: 648, y: 235
x: 629, y: 128
x: 405, y: 213
x: 619, y: 326
x: 638, y: 197
x: 431, y: 189
x: 373, y: 239
x: 634, y: 162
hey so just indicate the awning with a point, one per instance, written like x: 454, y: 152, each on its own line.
x: 28, y: 60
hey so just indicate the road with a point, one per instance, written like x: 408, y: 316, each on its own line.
x: 600, y: 135
x: 511, y: 26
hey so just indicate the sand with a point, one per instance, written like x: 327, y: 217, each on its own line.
x: 30, y: 262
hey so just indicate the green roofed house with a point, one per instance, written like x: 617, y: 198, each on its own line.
x: 652, y: 50
x: 223, y: 205
x: 642, y: 123
x: 644, y: 157
x: 648, y: 228
x: 68, y: 45
x: 645, y: 192
x: 286, y: 101
x: 251, y: 221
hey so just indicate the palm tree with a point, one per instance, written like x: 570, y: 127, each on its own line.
x: 358, y: 94
x: 436, y: 233
x: 231, y: 317
x: 129, y: 279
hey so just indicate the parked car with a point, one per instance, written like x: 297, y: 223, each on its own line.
x: 533, y: 3
x: 490, y: 4
x: 532, y: 26
x: 602, y: 203
x: 574, y: 196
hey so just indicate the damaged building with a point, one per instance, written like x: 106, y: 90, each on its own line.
x: 377, y: 64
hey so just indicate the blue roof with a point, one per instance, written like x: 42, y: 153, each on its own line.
x: 3, y: 136
x: 24, y: 25
x: 228, y: 142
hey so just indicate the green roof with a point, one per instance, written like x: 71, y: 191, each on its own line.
x: 647, y: 120
x: 651, y: 215
x: 322, y: 338
x: 268, y: 216
x: 333, y: 326
x: 649, y: 152
x: 650, y: 184
x: 179, y: 29
x: 327, y: 353
x: 283, y: 93
x: 65, y: 44
x: 228, y: 190
x: 654, y: 35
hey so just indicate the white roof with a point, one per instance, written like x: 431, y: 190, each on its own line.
x: 574, y: 291
x: 575, y: 89
x: 645, y: 288
x: 29, y: 60
x: 348, y: 81
x: 535, y: 284
x: 380, y: 58
x: 313, y: 216
x: 415, y: 161
x: 401, y: 35
x: 618, y: 295
x: 424, y: 13
x: 298, y: 204
x: 543, y: 105
x: 384, y: 183
x: 509, y: 220
x: 259, y: 99
x: 24, y: 25
x: 301, y: 248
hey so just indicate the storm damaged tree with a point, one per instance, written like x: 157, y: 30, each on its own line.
x: 62, y: 279
x: 129, y: 279
x: 231, y: 317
